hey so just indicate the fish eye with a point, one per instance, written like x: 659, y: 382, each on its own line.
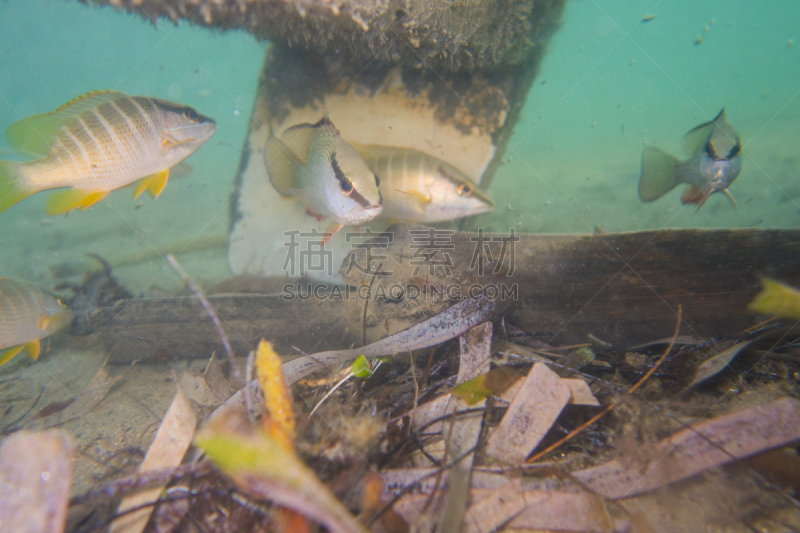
x: 464, y: 190
x: 191, y: 115
x: 734, y: 151
x: 347, y: 186
x: 377, y: 181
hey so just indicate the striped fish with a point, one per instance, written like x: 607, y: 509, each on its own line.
x: 27, y: 315
x: 97, y: 143
x: 311, y: 162
x: 417, y: 187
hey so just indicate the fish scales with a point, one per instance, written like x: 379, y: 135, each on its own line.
x: 98, y: 143
x: 23, y: 310
x: 106, y: 153
x: 418, y: 187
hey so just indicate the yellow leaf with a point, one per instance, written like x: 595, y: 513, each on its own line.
x: 279, y: 421
x: 493, y: 382
x: 777, y: 299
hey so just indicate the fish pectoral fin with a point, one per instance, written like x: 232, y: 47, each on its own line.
x: 279, y: 162
x: 9, y: 353
x: 659, y: 174
x: 154, y: 184
x: 44, y: 322
x: 330, y: 232
x: 693, y: 195
x: 317, y: 216
x: 34, y: 349
x: 62, y: 202
x: 731, y: 198
x: 418, y: 196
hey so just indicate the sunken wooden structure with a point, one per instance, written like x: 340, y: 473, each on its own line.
x: 618, y: 289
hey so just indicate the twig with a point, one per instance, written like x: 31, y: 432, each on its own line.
x: 425, y: 376
x: 611, y: 406
x: 414, y: 376
x: 246, y: 393
x: 210, y: 310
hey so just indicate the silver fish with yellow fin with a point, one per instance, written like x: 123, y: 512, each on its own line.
x: 715, y: 162
x: 312, y: 163
x: 97, y: 143
x: 27, y: 315
x: 419, y: 188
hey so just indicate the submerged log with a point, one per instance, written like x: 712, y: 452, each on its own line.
x: 622, y: 289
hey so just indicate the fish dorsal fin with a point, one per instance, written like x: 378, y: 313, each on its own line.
x: 299, y: 138
x: 280, y: 163
x: 35, y: 134
x: 697, y: 136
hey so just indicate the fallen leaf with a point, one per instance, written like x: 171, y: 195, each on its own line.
x: 716, y: 364
x: 278, y: 419
x: 688, y: 452
x: 218, y: 384
x: 89, y: 397
x: 452, y: 322
x: 172, y: 439
x: 35, y: 478
x: 777, y: 299
x: 264, y: 469
x: 196, y: 389
x: 530, y: 416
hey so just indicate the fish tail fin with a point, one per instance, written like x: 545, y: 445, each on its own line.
x: 11, y: 189
x: 279, y: 160
x: 659, y: 174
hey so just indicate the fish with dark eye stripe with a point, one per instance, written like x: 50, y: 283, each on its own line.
x: 715, y: 162
x: 97, y: 143
x: 312, y: 163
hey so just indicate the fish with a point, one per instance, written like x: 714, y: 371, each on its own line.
x: 27, y: 315
x: 419, y: 188
x: 311, y: 162
x: 99, y: 142
x: 715, y: 162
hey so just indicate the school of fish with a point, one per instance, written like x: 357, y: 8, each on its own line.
x: 106, y: 140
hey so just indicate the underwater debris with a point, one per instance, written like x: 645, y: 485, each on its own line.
x: 211, y: 313
x: 172, y: 439
x: 157, y: 251
x: 267, y: 471
x: 716, y: 364
x: 87, y: 399
x: 700, y: 447
x: 452, y: 322
x: 530, y: 416
x: 487, y: 35
x: 35, y: 478
x: 99, y: 289
x: 777, y: 299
